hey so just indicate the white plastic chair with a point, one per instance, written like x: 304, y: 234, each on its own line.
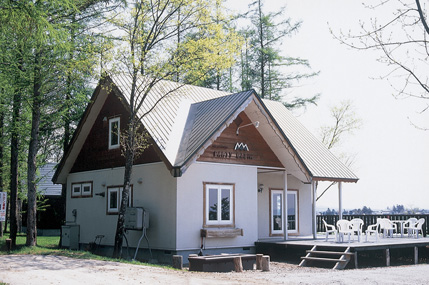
x: 344, y: 229
x: 410, y: 225
x: 372, y: 229
x: 387, y: 227
x: 418, y: 227
x: 356, y: 226
x: 329, y: 229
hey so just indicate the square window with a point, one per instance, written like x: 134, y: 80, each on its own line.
x: 114, y: 198
x: 219, y: 205
x: 76, y: 190
x: 87, y: 189
x: 114, y: 133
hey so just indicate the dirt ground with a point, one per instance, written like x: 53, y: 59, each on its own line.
x: 37, y: 269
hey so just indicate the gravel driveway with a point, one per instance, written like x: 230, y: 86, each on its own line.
x: 37, y: 269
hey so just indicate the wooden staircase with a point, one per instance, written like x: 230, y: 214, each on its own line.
x: 328, y: 255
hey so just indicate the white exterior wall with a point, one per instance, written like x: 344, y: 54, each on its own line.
x: 304, y: 204
x: 275, y: 180
x: 190, y: 202
x: 156, y: 194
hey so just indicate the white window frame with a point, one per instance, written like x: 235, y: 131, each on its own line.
x: 76, y: 193
x: 219, y: 222
x: 111, y: 122
x: 81, y: 186
x: 86, y: 185
x: 274, y: 232
x: 116, y: 189
x: 296, y: 194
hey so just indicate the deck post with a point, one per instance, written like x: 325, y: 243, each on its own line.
x: 416, y: 255
x: 313, y: 208
x: 387, y: 253
x: 356, y: 259
x: 285, y: 218
x: 340, y: 200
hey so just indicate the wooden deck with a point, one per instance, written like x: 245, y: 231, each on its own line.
x: 299, y: 245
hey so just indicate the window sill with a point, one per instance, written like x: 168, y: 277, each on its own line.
x: 221, y: 233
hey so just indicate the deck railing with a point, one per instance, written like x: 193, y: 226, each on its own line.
x: 370, y: 220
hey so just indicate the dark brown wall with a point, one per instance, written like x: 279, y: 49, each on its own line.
x: 222, y: 150
x: 95, y: 153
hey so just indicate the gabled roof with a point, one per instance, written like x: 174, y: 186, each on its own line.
x: 320, y: 162
x: 204, y: 120
x: 186, y: 121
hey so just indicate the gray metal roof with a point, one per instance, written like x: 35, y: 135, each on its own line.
x: 44, y: 184
x: 161, y: 120
x: 318, y: 159
x: 189, y: 119
x: 208, y: 110
x: 205, y: 119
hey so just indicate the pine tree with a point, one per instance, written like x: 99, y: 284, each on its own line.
x: 262, y: 64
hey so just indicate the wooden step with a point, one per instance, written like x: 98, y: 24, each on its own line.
x: 324, y: 259
x: 330, y: 252
x: 341, y: 262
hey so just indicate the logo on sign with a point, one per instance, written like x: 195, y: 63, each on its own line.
x: 241, y: 146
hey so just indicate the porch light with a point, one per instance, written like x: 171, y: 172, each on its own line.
x: 260, y: 188
x: 254, y: 123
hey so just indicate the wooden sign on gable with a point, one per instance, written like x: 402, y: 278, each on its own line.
x: 247, y: 147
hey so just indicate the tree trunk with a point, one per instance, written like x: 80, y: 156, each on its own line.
x: 1, y: 152
x: 262, y: 52
x: 32, y: 155
x: 14, y: 152
x: 129, y: 159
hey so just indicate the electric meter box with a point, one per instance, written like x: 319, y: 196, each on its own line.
x: 70, y: 236
x: 136, y: 218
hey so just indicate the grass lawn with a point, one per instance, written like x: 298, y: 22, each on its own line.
x: 47, y: 245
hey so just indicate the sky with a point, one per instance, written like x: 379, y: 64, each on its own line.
x: 391, y: 155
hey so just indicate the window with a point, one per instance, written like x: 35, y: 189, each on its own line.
x: 114, y: 198
x: 76, y: 190
x: 81, y: 189
x: 276, y: 212
x: 219, y: 205
x: 114, y: 127
x: 292, y: 211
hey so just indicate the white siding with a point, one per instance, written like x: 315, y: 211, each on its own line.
x: 275, y: 180
x: 190, y: 204
x: 156, y: 194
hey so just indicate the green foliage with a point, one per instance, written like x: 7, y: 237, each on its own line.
x: 48, y: 58
x: 223, y: 43
x: 263, y: 66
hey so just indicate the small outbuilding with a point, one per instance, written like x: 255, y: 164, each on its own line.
x: 223, y: 170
